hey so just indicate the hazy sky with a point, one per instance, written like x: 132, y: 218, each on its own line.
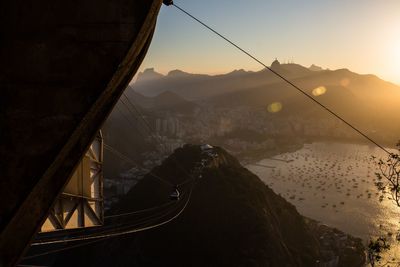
x: 361, y: 35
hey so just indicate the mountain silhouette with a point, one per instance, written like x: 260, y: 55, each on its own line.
x: 315, y: 68
x: 149, y: 75
x: 369, y: 103
x: 200, y: 86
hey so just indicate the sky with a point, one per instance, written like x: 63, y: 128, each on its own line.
x: 361, y: 35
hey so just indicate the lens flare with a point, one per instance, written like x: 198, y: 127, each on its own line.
x: 344, y: 82
x: 275, y: 107
x: 319, y: 91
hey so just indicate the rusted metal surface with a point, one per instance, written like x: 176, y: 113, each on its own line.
x: 63, y: 66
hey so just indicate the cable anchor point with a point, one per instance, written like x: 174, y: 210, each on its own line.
x: 168, y: 2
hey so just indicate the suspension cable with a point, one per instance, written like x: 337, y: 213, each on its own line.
x: 127, y: 119
x: 135, y: 163
x: 126, y: 232
x: 108, y: 228
x: 283, y: 78
x: 66, y: 248
x: 120, y: 155
x: 153, y: 133
x: 139, y: 211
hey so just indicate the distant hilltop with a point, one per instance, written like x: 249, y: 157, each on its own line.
x: 193, y: 86
x: 150, y: 74
x: 315, y: 68
x: 365, y: 100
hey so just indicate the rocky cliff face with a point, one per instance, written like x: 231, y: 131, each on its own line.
x: 232, y: 219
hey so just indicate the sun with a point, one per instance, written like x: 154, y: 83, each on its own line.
x: 396, y: 53
x: 390, y: 67
x: 395, y: 65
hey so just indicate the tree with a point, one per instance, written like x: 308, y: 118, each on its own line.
x: 389, y: 176
x: 375, y: 248
x: 388, y: 181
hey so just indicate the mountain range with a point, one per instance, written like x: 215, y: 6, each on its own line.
x: 366, y: 101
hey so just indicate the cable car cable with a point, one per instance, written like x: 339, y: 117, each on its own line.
x: 63, y: 249
x: 129, y: 231
x: 107, y: 228
x: 284, y: 79
x: 135, y: 163
x: 139, y: 211
x: 127, y: 119
x: 153, y: 133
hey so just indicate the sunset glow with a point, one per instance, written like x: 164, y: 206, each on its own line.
x: 396, y: 56
x: 362, y: 36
